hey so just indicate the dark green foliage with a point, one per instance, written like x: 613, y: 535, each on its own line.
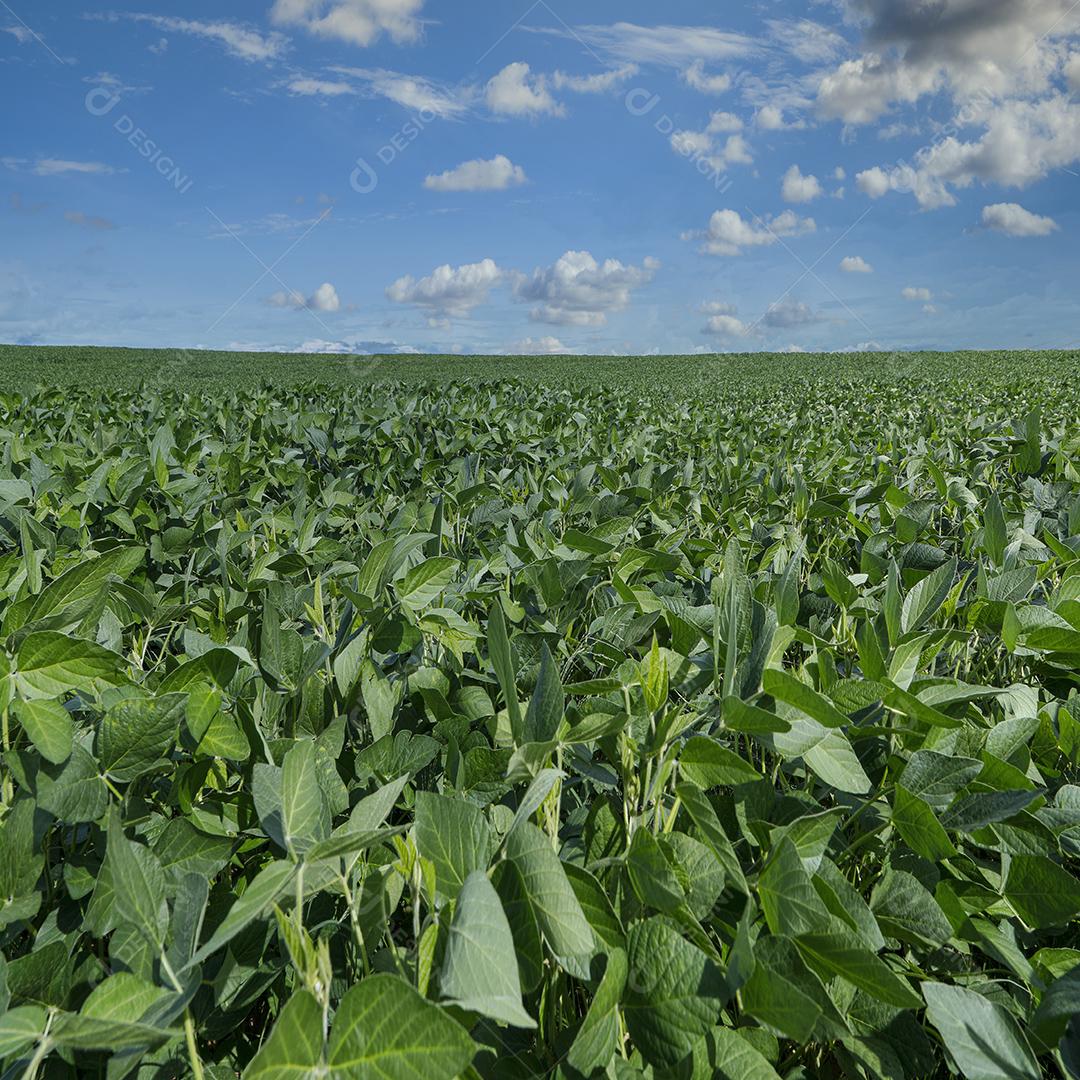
x: 628, y: 719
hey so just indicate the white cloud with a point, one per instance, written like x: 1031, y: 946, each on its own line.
x: 727, y: 326
x: 721, y: 122
x: 839, y: 173
x: 594, y: 84
x: 303, y: 87
x: 701, y: 146
x: 19, y: 33
x: 545, y: 346
x: 1022, y: 142
x: 806, y: 40
x: 729, y: 234
x: 514, y: 91
x: 970, y: 47
x: 771, y: 118
x: 671, y: 46
x: 238, y: 40
x: 855, y: 264
x: 448, y: 291
x: 479, y: 175
x: 56, y: 166
x: 1013, y: 220
x: 576, y: 290
x: 915, y: 292
x: 357, y: 22
x: 798, y: 188
x: 719, y: 307
x: 1072, y: 71
x: 696, y: 78
x: 412, y: 92
x: 324, y: 299
x: 789, y: 313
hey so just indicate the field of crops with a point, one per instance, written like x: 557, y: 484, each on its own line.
x: 423, y: 718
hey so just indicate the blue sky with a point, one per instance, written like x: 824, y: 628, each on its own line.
x: 399, y: 175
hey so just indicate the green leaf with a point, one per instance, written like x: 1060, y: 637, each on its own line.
x: 51, y: 665
x: 455, y: 836
x: 294, y: 1050
x: 708, y: 764
x: 597, y: 1040
x: 712, y: 833
x: 138, y: 883
x: 551, y: 897
x: 19, y: 1028
x: 981, y: 1036
x: 926, y: 597
x: 839, y: 951
x: 136, y: 734
x: 919, y: 827
x: 547, y: 705
x: 806, y: 699
x: 1042, y: 893
x: 789, y: 901
x: 675, y: 995
x: 651, y: 875
x: 729, y: 1056
x: 305, y: 815
x: 384, y: 1030
x: 257, y: 901
x: 499, y: 652
x: 423, y: 584
x: 480, y: 972
x: 48, y: 726
x: 85, y: 580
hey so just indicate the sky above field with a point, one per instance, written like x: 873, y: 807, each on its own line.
x: 421, y: 175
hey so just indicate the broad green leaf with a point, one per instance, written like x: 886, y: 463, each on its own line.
x: 806, y: 699
x: 788, y: 898
x: 708, y: 764
x: 136, y: 734
x: 549, y: 894
x: 1041, y: 892
x: 384, y: 1030
x: 48, y: 726
x: 138, y: 883
x: 305, y: 815
x: 597, y: 1039
x: 499, y: 651
x: 455, y: 836
x: 547, y: 705
x: 20, y: 1028
x: 926, y: 597
x: 51, y: 665
x: 294, y: 1049
x: 423, y: 584
x: 983, y: 1039
x: 919, y: 827
x: 480, y: 972
x: 675, y: 993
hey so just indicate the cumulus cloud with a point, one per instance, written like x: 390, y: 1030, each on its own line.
x: 1022, y: 142
x: 544, y: 346
x: 771, y: 118
x: 479, y: 175
x: 729, y: 234
x: 917, y: 292
x: 696, y: 78
x: 576, y: 290
x: 727, y: 326
x: 448, y: 291
x: 515, y: 91
x: 413, y: 92
x: 357, y: 22
x: 702, y: 146
x: 798, y: 188
x: 1013, y: 220
x: 970, y: 47
x: 789, y: 313
x: 240, y: 41
x: 723, y: 122
x: 600, y: 83
x: 855, y: 264
x: 325, y: 299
